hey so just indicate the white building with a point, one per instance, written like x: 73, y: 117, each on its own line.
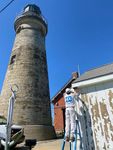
x: 96, y: 110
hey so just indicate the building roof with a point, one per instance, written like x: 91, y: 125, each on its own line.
x: 96, y: 72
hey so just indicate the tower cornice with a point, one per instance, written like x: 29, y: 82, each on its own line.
x: 31, y: 14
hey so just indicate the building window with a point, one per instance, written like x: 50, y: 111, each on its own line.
x: 13, y: 58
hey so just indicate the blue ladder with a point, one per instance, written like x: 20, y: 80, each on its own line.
x: 74, y: 144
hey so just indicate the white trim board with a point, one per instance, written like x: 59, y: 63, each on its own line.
x: 93, y: 81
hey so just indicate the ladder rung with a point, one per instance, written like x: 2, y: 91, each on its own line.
x: 68, y: 141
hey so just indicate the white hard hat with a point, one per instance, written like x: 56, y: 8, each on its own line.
x: 68, y: 90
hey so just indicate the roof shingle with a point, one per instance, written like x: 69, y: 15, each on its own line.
x: 97, y: 72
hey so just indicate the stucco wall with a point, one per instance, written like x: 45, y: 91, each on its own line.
x: 28, y: 69
x: 96, y: 116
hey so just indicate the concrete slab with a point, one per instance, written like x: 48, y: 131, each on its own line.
x: 50, y: 145
x: 47, y: 145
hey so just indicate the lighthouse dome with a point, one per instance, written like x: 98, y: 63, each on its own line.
x: 32, y: 8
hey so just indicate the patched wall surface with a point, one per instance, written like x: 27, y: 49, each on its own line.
x: 97, y: 121
x: 28, y: 69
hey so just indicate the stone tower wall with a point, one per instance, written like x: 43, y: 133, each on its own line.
x: 28, y: 69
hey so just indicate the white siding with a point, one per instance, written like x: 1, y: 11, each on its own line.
x: 97, y: 116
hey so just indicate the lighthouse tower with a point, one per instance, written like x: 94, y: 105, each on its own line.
x: 28, y: 69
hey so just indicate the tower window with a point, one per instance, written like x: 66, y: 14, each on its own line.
x: 13, y: 58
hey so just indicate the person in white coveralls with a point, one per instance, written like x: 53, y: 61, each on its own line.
x: 70, y: 97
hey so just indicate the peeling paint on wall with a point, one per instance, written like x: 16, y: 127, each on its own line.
x: 111, y: 99
x: 99, y: 116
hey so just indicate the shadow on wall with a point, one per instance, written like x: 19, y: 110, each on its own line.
x: 86, y: 127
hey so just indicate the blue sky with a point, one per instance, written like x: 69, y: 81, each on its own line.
x: 80, y: 32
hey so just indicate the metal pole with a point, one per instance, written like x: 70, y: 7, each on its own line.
x: 70, y: 144
x: 9, y: 118
x: 9, y: 122
x: 63, y: 144
x: 6, y: 142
